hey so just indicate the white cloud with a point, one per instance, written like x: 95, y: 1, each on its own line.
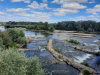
x: 59, y: 14
x: 94, y: 10
x: 40, y: 6
x: 68, y: 1
x: 18, y: 10
x: 1, y: 0
x: 91, y: 16
x: 73, y: 6
x: 44, y: 0
x: 22, y: 14
x: 25, y: 1
x: 4, y: 14
x: 93, y: 1
x: 81, y: 17
x: 95, y: 13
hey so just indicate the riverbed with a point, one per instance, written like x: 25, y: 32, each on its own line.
x: 50, y: 63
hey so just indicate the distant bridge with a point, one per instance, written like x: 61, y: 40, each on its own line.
x: 8, y: 26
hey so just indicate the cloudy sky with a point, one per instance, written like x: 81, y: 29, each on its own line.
x: 49, y: 10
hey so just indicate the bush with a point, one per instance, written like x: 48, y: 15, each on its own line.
x: 97, y: 54
x: 74, y: 41
x: 86, y: 72
x: 86, y: 64
x: 14, y: 45
x: 51, y: 28
x: 21, y: 40
x: 56, y: 49
x: 5, y: 38
x: 13, y: 62
x: 17, y: 35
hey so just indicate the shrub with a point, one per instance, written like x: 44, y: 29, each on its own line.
x: 51, y: 28
x: 60, y: 56
x: 56, y: 49
x: 74, y: 41
x: 15, y: 63
x: 6, y: 40
x: 86, y: 72
x: 15, y: 33
x: 14, y: 45
x: 21, y: 40
x: 86, y: 64
x: 75, y: 48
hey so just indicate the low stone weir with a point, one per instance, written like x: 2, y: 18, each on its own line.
x: 61, y: 57
x: 21, y: 49
x: 84, y: 50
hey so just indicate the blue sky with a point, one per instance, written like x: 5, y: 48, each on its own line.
x: 49, y: 10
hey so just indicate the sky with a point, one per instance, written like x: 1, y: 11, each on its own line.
x: 51, y: 11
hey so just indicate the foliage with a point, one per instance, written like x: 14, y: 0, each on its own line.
x: 17, y: 35
x: 56, y: 49
x: 73, y: 41
x: 86, y: 64
x: 86, y: 72
x: 15, y: 63
x: 75, y: 48
x: 6, y: 40
x: 51, y: 28
x: 14, y: 45
x: 60, y: 56
x: 21, y: 40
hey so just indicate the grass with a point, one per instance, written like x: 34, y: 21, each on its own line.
x: 56, y: 49
x: 60, y: 56
x: 75, y: 48
x: 86, y: 72
x: 73, y: 41
x: 86, y: 64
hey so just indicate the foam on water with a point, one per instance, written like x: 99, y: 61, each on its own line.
x: 81, y: 59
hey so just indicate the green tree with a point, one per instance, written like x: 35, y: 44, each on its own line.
x: 13, y: 62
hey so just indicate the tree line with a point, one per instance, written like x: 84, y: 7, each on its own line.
x: 89, y: 26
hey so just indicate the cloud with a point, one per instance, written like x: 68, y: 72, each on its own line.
x: 40, y: 6
x: 1, y: 0
x: 59, y: 14
x: 81, y: 17
x: 91, y: 16
x: 18, y: 10
x: 44, y: 0
x: 25, y: 1
x: 93, y: 1
x: 94, y: 10
x: 68, y: 1
x: 4, y: 14
x: 73, y: 6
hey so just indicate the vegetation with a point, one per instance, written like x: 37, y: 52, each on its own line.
x: 86, y: 64
x: 11, y: 37
x: 85, y: 26
x: 73, y: 41
x: 60, y: 56
x: 75, y: 48
x: 56, y: 49
x: 86, y: 72
x: 13, y: 62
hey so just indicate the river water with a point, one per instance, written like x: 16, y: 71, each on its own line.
x: 48, y: 61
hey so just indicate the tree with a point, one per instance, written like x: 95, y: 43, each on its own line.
x: 89, y: 30
x: 13, y: 62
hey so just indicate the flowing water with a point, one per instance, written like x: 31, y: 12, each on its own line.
x: 47, y: 59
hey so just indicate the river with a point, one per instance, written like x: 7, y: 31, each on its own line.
x: 50, y: 63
